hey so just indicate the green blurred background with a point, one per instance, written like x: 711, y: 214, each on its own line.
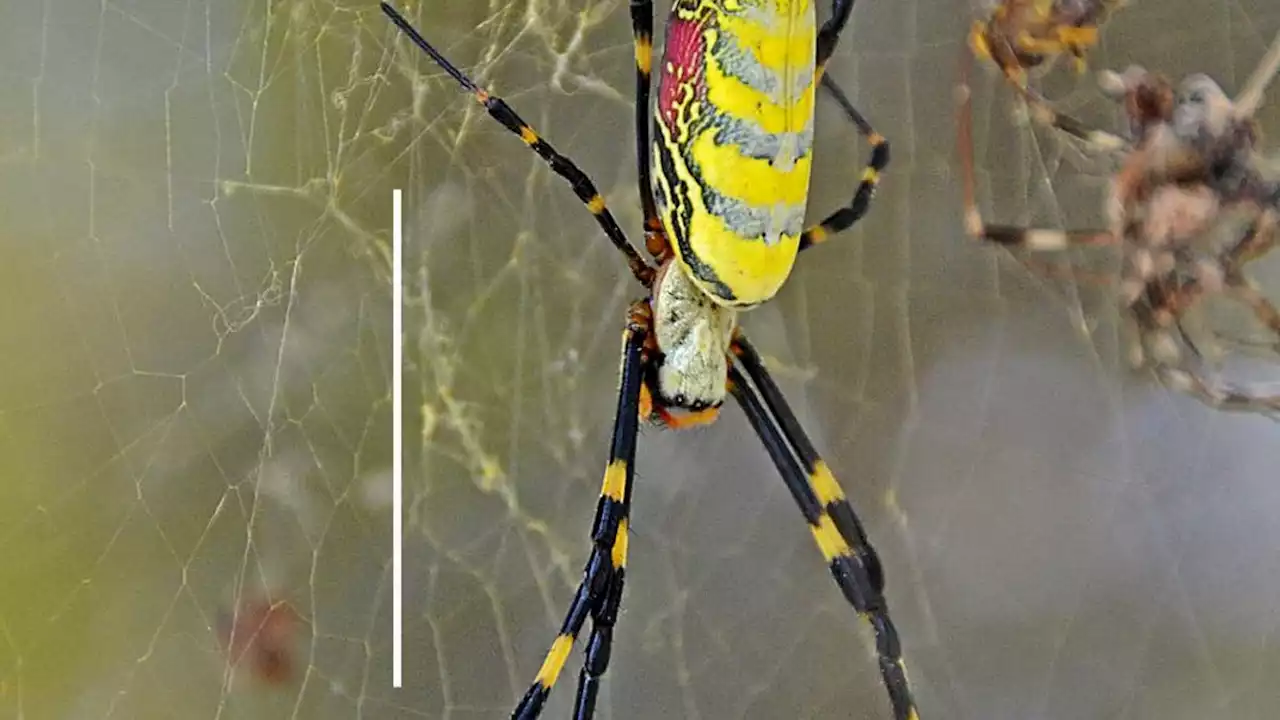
x: 195, y: 217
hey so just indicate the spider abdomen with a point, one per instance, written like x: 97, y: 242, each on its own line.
x: 733, y: 140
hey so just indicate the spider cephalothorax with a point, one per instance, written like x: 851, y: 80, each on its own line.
x: 693, y: 333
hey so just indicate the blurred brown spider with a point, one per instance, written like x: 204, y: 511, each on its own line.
x: 1190, y: 165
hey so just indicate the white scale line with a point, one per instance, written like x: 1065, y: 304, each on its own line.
x: 397, y: 440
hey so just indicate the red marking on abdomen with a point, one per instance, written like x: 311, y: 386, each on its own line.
x: 683, y: 64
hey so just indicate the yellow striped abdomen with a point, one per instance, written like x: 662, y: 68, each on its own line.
x: 733, y: 140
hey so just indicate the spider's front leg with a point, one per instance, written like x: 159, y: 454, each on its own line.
x: 599, y: 594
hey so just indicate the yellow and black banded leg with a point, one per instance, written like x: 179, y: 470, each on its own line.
x: 655, y: 241
x: 561, y: 165
x: 836, y: 529
x: 599, y: 595
x: 642, y: 36
x: 845, y: 217
x: 829, y: 33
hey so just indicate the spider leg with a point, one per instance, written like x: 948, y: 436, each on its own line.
x: 844, y: 218
x: 600, y: 592
x: 829, y: 33
x: 1163, y: 305
x: 1037, y: 239
x: 1040, y: 108
x: 1246, y: 104
x: 642, y: 31
x: 1257, y: 242
x: 1044, y: 113
x: 835, y: 527
x: 1242, y: 289
x: 561, y: 165
x: 1219, y: 396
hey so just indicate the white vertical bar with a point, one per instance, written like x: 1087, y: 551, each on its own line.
x: 397, y: 439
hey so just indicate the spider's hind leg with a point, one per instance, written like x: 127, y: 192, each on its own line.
x: 599, y: 594
x: 835, y: 527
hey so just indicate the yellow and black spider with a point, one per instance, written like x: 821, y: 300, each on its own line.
x: 723, y: 204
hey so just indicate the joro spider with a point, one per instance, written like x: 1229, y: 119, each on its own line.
x: 723, y: 207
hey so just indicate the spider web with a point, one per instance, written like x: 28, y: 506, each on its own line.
x: 195, y: 403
